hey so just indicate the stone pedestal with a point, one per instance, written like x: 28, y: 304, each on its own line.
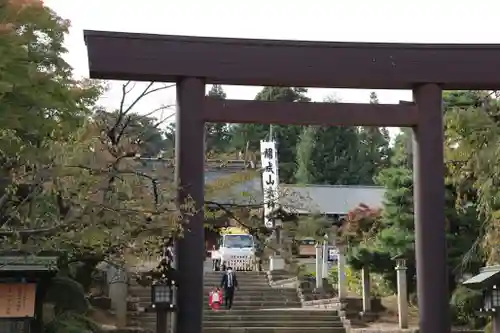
x: 319, y: 266
x: 402, y: 294
x: 342, y: 284
x: 365, y: 280
x: 276, y: 263
x: 495, y: 323
x: 118, y: 292
x: 325, y: 259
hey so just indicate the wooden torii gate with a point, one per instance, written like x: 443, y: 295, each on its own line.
x: 192, y: 62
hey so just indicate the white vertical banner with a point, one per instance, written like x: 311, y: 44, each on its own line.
x: 269, y: 160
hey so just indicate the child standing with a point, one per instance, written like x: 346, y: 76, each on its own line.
x: 215, y: 299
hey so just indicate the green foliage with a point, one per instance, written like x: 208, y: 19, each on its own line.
x: 352, y: 279
x: 217, y: 135
x: 286, y: 135
x: 374, y: 150
x: 464, y: 304
x: 67, y: 295
x: 68, y: 178
x: 335, y: 151
x: 341, y: 155
x: 393, y: 230
x: 71, y: 307
x: 379, y: 286
x: 72, y: 322
x: 305, y: 146
x: 144, y: 129
x: 472, y: 141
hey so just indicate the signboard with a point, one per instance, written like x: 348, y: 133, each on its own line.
x: 269, y: 160
x: 17, y: 300
x: 333, y: 254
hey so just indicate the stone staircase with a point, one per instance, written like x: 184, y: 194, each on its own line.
x: 257, y: 308
x: 139, y: 298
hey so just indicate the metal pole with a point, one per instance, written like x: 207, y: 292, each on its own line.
x: 161, y: 321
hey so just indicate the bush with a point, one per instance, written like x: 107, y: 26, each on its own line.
x: 488, y: 328
x: 70, y: 322
x: 353, y: 279
x: 379, y: 286
x: 464, y: 303
x: 67, y: 295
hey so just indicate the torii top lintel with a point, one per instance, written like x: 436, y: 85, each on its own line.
x: 147, y: 57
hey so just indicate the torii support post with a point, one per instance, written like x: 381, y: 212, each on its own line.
x: 429, y: 191
x: 189, y: 171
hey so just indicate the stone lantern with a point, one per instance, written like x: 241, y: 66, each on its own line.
x: 488, y: 281
x: 402, y: 290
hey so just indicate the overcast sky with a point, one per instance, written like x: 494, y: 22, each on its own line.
x: 423, y: 21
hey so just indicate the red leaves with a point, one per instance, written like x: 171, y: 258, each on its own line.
x: 361, y: 222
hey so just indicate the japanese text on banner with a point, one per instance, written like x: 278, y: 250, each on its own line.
x: 269, y: 159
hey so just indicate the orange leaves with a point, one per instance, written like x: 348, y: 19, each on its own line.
x: 6, y: 27
x: 22, y: 4
x: 9, y: 14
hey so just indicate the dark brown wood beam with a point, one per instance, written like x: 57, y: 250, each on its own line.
x: 144, y: 57
x: 301, y: 113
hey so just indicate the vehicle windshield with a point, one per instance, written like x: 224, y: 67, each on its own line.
x: 237, y: 241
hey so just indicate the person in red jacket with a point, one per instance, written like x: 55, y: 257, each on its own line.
x: 215, y: 299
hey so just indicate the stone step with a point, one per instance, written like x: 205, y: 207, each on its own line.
x: 324, y: 329
x: 239, y: 276
x: 275, y: 314
x: 269, y: 298
x: 252, y: 324
x: 242, y: 273
x: 295, y: 314
x: 270, y: 323
x: 237, y: 293
x: 261, y: 291
x: 285, y: 318
x: 242, y: 286
x: 238, y: 296
x: 247, y: 305
x: 241, y: 291
x: 240, y: 282
x: 212, y: 283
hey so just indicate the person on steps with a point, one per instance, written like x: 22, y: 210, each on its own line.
x: 229, y: 283
x: 215, y: 299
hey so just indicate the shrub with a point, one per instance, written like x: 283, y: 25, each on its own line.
x: 464, y: 303
x: 70, y: 322
x: 379, y: 286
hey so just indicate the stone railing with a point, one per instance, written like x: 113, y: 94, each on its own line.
x: 327, y: 303
x: 286, y: 283
x: 241, y: 263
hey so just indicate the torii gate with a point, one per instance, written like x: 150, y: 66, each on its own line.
x: 192, y: 62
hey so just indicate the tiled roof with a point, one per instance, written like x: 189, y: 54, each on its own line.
x: 324, y: 199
